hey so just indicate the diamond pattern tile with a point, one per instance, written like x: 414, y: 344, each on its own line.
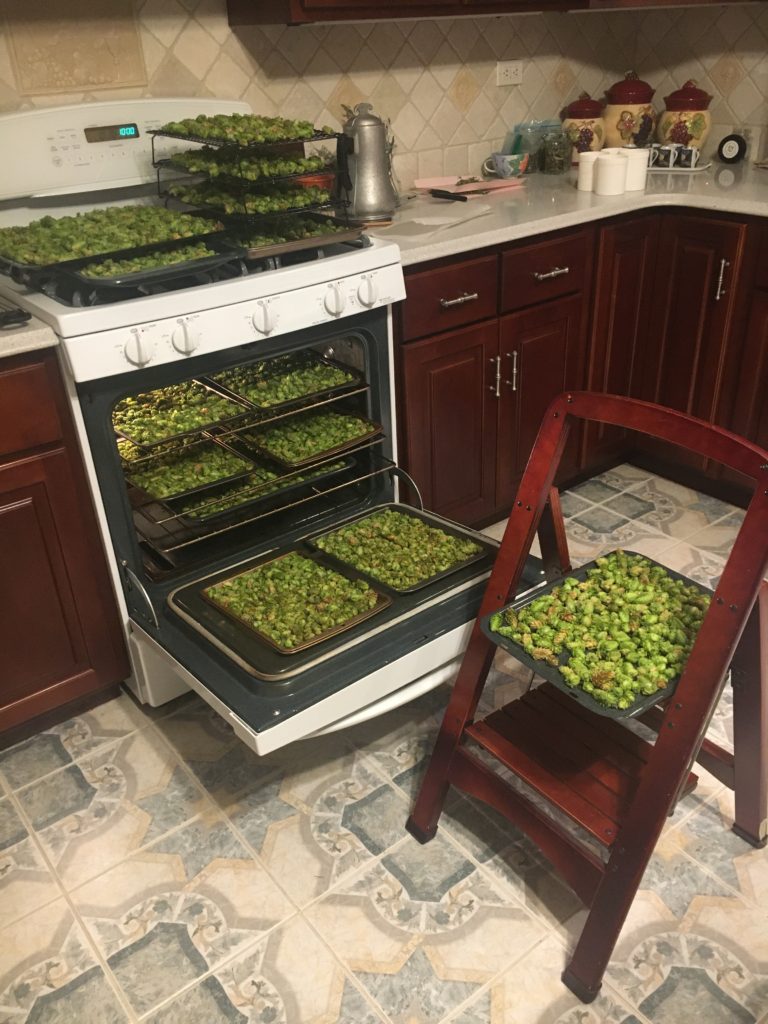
x: 438, y: 76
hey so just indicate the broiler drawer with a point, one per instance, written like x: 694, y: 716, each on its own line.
x: 447, y: 297
x: 544, y: 270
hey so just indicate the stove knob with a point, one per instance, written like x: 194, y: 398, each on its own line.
x: 367, y: 293
x: 262, y: 318
x: 138, y: 350
x: 334, y: 300
x: 185, y: 340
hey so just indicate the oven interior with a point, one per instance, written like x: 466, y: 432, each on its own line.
x: 173, y: 550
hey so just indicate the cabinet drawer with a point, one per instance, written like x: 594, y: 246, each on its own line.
x: 762, y: 262
x: 28, y: 412
x: 544, y: 270
x: 447, y: 297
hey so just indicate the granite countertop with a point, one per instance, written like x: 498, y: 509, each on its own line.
x: 546, y: 203
x: 31, y: 336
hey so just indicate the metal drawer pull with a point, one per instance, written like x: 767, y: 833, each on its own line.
x: 557, y: 272
x: 513, y: 383
x: 496, y: 386
x: 466, y: 297
x: 724, y: 264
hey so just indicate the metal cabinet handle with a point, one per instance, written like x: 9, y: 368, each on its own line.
x: 557, y: 272
x: 466, y: 297
x: 496, y: 386
x: 724, y: 264
x: 134, y: 581
x: 515, y: 373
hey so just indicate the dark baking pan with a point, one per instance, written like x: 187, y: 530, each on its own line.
x: 251, y: 441
x: 34, y: 274
x: 242, y: 409
x: 252, y: 494
x: 426, y: 517
x: 222, y: 251
x: 382, y: 601
x: 552, y: 674
x: 170, y: 457
x: 282, y: 366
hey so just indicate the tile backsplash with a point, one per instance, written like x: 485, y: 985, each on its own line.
x: 435, y: 80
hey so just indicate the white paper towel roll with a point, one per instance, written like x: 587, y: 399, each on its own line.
x: 637, y: 168
x: 610, y: 174
x: 585, y: 181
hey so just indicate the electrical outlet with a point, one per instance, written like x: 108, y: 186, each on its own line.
x: 509, y: 72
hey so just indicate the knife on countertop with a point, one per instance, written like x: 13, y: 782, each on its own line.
x: 441, y: 193
x: 12, y: 316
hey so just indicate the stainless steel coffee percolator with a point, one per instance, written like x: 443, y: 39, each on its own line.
x: 369, y: 187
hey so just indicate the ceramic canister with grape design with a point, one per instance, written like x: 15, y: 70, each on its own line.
x: 584, y: 124
x: 629, y: 116
x: 686, y: 119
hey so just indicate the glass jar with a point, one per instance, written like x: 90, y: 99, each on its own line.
x: 557, y: 153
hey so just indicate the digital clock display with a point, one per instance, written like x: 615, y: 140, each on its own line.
x: 112, y: 133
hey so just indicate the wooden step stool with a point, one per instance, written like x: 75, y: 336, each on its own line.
x: 615, y: 786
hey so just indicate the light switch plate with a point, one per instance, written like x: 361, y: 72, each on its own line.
x: 509, y: 72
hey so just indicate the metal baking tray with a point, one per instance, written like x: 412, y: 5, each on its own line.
x: 552, y: 674
x: 148, y: 446
x: 259, y: 492
x: 250, y: 441
x: 425, y: 517
x: 33, y: 275
x: 224, y: 251
x: 168, y: 163
x: 287, y: 365
x: 240, y: 218
x: 349, y: 234
x: 382, y: 601
x: 272, y: 671
x: 208, y: 443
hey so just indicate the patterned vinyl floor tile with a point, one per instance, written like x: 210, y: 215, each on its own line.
x: 289, y: 976
x: 61, y: 745
x: 423, y: 929
x: 48, y: 974
x: 218, y: 886
x: 26, y: 883
x: 101, y: 809
x: 165, y: 917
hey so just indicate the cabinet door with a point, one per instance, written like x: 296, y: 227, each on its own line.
x: 625, y: 265
x: 693, y: 298
x: 58, y: 632
x: 545, y: 346
x: 750, y: 414
x: 449, y: 409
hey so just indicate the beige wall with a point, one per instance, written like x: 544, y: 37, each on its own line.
x: 434, y: 79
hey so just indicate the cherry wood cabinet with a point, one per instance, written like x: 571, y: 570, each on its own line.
x: 59, y: 631
x: 471, y: 399
x: 299, y: 12
x: 449, y: 404
x: 541, y: 354
x: 750, y: 413
x: 693, y: 307
x: 626, y: 254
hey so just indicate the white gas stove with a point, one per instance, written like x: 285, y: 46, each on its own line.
x: 334, y: 309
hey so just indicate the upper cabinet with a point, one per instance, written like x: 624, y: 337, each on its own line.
x: 302, y: 12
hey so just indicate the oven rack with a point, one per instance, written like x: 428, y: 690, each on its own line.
x: 235, y: 181
x: 252, y: 147
x: 174, y: 541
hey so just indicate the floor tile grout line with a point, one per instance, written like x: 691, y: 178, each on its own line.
x: 91, y: 942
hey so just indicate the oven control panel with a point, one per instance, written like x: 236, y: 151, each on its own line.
x: 174, y: 339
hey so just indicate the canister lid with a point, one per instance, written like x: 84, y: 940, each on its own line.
x: 584, y: 106
x: 630, y: 89
x: 361, y: 117
x: 688, y: 97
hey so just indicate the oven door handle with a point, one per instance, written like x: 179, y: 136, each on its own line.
x: 396, y: 471
x: 134, y: 581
